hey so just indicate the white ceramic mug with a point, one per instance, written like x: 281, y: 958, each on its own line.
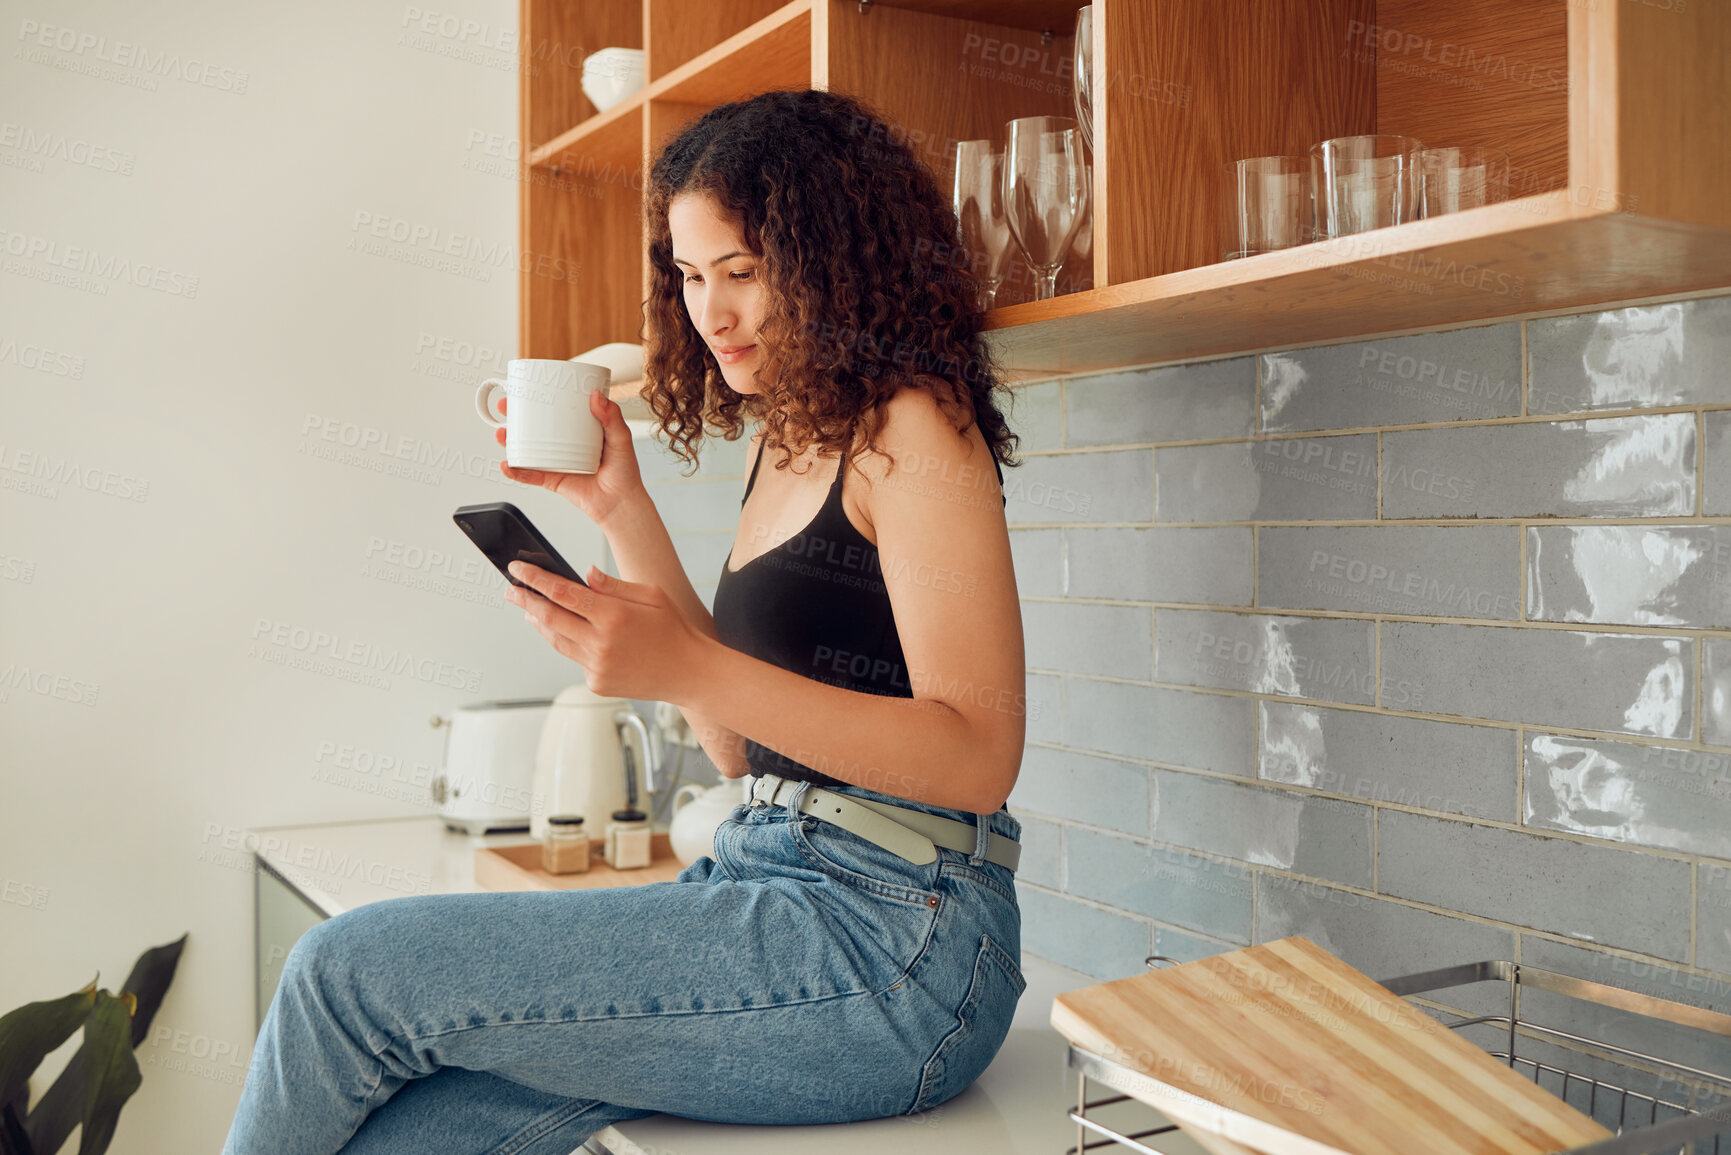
x: 547, y: 423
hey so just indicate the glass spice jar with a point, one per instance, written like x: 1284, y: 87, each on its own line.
x: 565, y: 850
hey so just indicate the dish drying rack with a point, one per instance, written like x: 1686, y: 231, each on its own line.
x: 1643, y: 1124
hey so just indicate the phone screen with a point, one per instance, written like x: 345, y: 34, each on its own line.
x: 505, y: 534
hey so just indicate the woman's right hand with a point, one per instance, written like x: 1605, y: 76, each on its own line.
x: 597, y: 494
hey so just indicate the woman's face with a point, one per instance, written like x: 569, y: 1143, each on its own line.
x: 723, y: 288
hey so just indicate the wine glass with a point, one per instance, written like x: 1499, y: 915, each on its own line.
x: 978, y: 195
x: 1082, y: 60
x: 1079, y: 264
x: 1045, y: 192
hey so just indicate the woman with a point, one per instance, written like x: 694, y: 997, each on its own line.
x: 851, y: 949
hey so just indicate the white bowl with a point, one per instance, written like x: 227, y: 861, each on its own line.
x: 610, y: 62
x: 616, y: 54
x: 613, y: 77
x: 605, y: 92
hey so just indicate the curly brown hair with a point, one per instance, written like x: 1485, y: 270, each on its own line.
x: 866, y: 286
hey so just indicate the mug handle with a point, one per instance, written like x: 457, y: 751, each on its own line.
x: 484, y: 401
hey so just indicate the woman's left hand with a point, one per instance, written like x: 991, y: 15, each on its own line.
x: 630, y: 639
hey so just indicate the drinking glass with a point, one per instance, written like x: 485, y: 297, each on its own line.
x: 1045, y: 192
x: 1452, y: 179
x: 978, y: 196
x: 1364, y: 182
x: 1080, y: 262
x: 1082, y: 62
x: 1265, y: 204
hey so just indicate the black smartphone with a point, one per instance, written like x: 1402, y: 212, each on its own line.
x: 505, y: 534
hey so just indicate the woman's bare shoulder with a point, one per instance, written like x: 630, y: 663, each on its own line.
x: 915, y: 429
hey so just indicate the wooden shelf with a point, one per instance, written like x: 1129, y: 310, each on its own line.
x: 1525, y: 256
x: 1631, y: 159
x: 1033, y: 15
x: 1617, y: 116
x: 611, y: 137
x: 773, y: 53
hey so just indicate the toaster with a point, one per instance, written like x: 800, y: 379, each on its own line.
x: 486, y: 782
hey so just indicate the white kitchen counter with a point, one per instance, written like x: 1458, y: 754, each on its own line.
x: 339, y: 865
x: 1018, y: 1106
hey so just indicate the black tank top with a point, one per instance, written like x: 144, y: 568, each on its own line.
x: 817, y: 605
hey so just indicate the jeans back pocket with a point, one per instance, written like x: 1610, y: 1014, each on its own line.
x: 982, y: 1025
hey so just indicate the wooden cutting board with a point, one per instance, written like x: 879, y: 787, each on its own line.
x: 519, y: 868
x: 1284, y: 1049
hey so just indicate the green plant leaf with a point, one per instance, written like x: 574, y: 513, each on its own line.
x: 33, y: 1031
x: 149, y: 981
x: 62, y: 1108
x: 111, y: 1071
x: 13, y: 1140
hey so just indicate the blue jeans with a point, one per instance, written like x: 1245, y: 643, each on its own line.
x: 799, y: 975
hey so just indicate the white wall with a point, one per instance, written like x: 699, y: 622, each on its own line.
x: 202, y: 509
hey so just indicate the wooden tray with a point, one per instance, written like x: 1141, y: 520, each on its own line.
x: 519, y: 868
x: 1284, y: 1049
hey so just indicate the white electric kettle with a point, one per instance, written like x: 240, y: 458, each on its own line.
x: 585, y: 764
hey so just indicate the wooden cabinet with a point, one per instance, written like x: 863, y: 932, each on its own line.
x: 1616, y: 113
x: 940, y: 71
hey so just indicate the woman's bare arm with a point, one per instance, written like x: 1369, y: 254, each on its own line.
x: 643, y: 551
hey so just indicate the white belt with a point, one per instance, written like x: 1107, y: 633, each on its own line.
x: 913, y: 834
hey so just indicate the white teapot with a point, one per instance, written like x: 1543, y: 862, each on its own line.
x: 697, y: 811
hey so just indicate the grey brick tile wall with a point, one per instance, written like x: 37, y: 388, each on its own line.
x: 1184, y: 403
x: 1204, y: 566
x: 1084, y: 788
x: 1602, y: 894
x: 1115, y: 641
x: 1665, y: 797
x: 1038, y: 555
x: 1453, y: 376
x: 1716, y: 690
x: 1036, y: 414
x: 1097, y: 941
x: 1293, y: 479
x: 1418, y: 646
x: 1716, y: 472
x: 1484, y: 614
x: 1042, y: 861
x: 1438, y: 766
x: 1640, y: 357
x: 1631, y: 575
x: 1381, y: 938
x: 1713, y: 926
x: 1305, y: 833
x: 1045, y: 695
x: 1427, y: 571
x: 1107, y: 486
x: 1606, y: 467
x: 1182, y: 889
x: 1176, y: 727
x: 1327, y: 659
x: 1624, y: 683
